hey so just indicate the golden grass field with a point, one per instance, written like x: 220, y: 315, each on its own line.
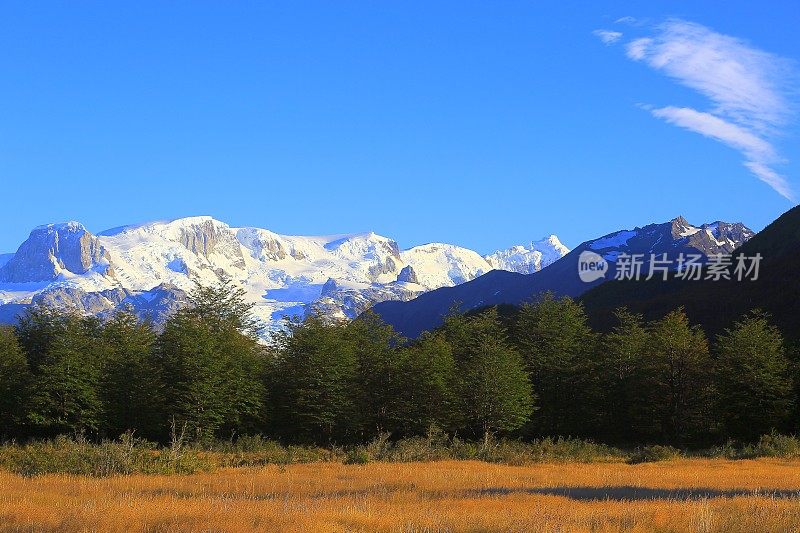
x: 695, y: 495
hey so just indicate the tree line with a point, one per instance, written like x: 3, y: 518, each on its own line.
x: 539, y: 371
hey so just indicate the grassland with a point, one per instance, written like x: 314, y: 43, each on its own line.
x: 678, y: 495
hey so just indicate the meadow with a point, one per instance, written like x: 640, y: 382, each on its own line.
x: 675, y: 495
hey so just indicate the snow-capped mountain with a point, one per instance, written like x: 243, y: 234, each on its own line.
x: 152, y: 266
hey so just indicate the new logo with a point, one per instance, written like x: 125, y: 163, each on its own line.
x: 591, y: 266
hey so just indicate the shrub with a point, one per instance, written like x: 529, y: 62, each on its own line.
x: 776, y: 445
x: 357, y: 456
x: 107, y: 458
x: 729, y: 450
x: 255, y: 450
x: 652, y: 454
x: 436, y: 446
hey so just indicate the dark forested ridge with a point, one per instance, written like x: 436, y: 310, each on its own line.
x: 539, y: 371
x: 715, y: 304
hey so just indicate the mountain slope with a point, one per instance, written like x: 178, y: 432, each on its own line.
x: 717, y: 304
x: 677, y: 236
x: 152, y: 266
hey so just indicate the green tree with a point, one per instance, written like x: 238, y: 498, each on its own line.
x: 244, y: 377
x: 65, y: 374
x: 621, y: 360
x: 14, y: 384
x: 36, y: 331
x: 131, y: 387
x: 313, y: 382
x: 374, y: 344
x: 224, y: 307
x: 753, y: 383
x: 193, y: 371
x: 456, y: 332
x: 212, y: 364
x: 424, y: 394
x: 793, y: 357
x: 558, y: 347
x: 496, y: 391
x: 679, y: 378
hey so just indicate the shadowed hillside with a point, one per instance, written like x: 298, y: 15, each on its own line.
x: 717, y: 304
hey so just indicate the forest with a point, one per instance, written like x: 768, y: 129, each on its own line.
x: 539, y: 371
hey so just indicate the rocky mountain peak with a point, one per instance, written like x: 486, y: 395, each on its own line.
x: 407, y: 275
x: 52, y: 250
x: 680, y: 227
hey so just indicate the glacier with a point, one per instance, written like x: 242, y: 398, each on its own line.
x: 150, y: 268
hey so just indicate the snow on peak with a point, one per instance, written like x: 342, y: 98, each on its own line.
x: 71, y: 226
x: 716, y: 237
x: 614, y: 240
x: 553, y: 241
x: 363, y: 247
x: 682, y: 228
x: 153, y: 226
x: 529, y: 259
x: 444, y: 265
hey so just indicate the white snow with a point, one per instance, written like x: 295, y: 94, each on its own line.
x: 615, y: 240
x: 280, y: 273
x: 529, y: 259
x: 711, y: 234
x: 71, y: 225
x: 444, y: 265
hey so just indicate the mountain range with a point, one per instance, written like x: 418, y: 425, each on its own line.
x: 562, y: 278
x: 715, y: 305
x: 150, y: 268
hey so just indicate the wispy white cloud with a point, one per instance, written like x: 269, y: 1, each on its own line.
x: 747, y: 88
x: 757, y: 151
x: 608, y: 36
x: 750, y: 144
x: 771, y: 178
x: 626, y: 20
x: 743, y: 82
x: 638, y: 48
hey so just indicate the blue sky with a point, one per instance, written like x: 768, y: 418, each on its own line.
x: 483, y: 124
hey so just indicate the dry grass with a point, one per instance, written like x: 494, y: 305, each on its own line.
x: 697, y: 495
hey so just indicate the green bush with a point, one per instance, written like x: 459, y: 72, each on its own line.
x: 436, y: 446
x: 416, y: 449
x: 129, y: 455
x: 107, y: 458
x: 561, y: 449
x: 357, y: 456
x: 729, y: 450
x: 771, y: 445
x: 464, y: 450
x: 652, y: 454
x: 776, y: 445
x: 255, y: 450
